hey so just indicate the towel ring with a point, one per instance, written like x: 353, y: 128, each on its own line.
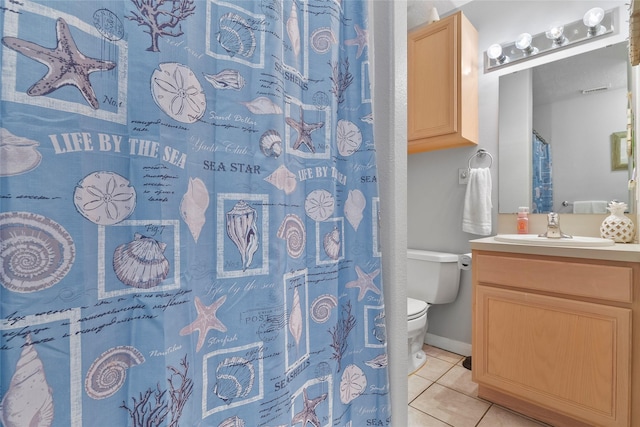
x: 481, y: 153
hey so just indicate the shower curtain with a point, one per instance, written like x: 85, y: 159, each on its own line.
x: 189, y: 215
x: 542, y: 177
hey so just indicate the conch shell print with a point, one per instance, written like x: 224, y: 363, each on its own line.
x: 178, y: 93
x: 352, y: 384
x: 295, y: 317
x: 353, y: 208
x: 234, y: 379
x: 293, y: 30
x: 141, y: 263
x: 292, y: 230
x: 283, y: 179
x: 28, y: 401
x: 262, y: 105
x: 242, y: 229
x: 17, y: 155
x: 108, y: 372
x: 35, y: 252
x: 226, y: 79
x: 194, y: 205
x: 104, y: 198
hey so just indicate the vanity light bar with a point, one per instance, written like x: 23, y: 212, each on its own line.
x: 556, y: 38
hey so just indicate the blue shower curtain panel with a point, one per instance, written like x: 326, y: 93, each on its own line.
x: 189, y: 215
x: 542, y: 176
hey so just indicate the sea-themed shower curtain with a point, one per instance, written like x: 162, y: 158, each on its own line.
x: 189, y: 215
x: 542, y: 176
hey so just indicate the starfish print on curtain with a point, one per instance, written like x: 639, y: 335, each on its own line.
x: 67, y: 65
x: 364, y: 282
x: 205, y: 321
x: 304, y: 131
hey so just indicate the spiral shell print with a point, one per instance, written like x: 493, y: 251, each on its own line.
x: 322, y: 39
x: 109, y: 371
x: 28, y: 400
x: 321, y: 307
x: 141, y: 263
x: 234, y: 379
x: 292, y: 230
x: 35, y: 252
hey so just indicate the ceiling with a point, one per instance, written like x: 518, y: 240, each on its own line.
x: 418, y: 10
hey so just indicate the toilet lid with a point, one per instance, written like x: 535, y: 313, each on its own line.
x: 415, y: 308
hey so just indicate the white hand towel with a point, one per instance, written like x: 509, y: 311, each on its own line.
x: 582, y: 207
x: 476, y: 217
x: 599, y: 206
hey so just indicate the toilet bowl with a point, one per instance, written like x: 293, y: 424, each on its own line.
x: 432, y: 278
x: 417, y: 328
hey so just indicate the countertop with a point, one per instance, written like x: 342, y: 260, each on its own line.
x: 629, y: 252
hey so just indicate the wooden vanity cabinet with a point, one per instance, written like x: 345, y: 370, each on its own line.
x: 552, y: 337
x: 442, y: 83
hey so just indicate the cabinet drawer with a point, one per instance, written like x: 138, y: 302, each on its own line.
x: 604, y: 282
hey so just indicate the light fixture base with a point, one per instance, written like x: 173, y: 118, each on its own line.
x: 574, y: 33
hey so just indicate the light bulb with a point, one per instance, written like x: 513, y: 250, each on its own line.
x: 523, y: 42
x: 555, y: 33
x: 495, y: 52
x: 592, y: 20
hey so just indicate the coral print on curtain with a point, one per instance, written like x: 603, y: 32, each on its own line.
x: 189, y: 215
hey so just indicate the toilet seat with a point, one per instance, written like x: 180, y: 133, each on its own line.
x: 416, y: 308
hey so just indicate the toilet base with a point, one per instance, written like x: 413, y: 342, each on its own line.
x: 417, y: 361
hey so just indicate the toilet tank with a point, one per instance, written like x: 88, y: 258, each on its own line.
x: 433, y: 277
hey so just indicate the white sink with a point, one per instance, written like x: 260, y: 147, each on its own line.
x: 533, y: 239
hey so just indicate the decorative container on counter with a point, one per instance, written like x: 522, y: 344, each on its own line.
x: 617, y: 226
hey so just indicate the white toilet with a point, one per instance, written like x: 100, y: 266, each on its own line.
x: 432, y: 278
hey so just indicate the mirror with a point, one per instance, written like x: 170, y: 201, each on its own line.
x: 558, y: 124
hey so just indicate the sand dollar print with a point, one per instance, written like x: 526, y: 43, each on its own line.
x: 178, y: 93
x: 349, y: 137
x: 104, y: 198
x: 319, y: 205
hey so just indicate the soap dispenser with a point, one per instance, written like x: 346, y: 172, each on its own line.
x: 523, y: 220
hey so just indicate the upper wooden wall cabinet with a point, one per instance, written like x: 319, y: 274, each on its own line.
x: 442, y: 85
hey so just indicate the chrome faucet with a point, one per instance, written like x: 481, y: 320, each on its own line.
x: 553, y: 228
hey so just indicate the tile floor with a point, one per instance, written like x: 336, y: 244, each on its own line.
x: 441, y: 394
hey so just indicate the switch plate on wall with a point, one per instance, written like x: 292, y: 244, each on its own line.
x: 463, y: 176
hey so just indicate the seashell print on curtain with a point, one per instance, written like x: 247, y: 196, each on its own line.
x: 188, y: 215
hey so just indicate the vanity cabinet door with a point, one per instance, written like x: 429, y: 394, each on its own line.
x: 442, y: 83
x: 570, y: 357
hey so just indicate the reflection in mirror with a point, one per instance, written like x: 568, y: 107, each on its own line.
x: 557, y: 124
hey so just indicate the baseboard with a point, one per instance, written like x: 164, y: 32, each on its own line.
x: 458, y: 347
